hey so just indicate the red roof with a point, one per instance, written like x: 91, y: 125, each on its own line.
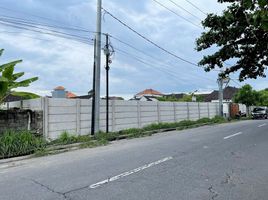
x: 59, y: 88
x: 70, y: 95
x: 149, y: 92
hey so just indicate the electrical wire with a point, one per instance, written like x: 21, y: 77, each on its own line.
x: 25, y: 24
x: 161, y: 68
x: 167, y: 65
x: 22, y: 20
x: 148, y: 40
x: 47, y: 32
x: 37, y: 16
x: 178, y: 15
x: 236, y: 82
x: 148, y: 64
x: 182, y: 8
x: 41, y: 39
x: 196, y: 7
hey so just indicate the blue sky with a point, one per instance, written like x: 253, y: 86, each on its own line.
x: 59, y: 61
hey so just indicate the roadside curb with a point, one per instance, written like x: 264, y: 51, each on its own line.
x: 10, y: 160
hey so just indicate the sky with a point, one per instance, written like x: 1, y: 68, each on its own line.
x: 69, y: 62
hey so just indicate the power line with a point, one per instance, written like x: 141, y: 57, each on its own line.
x: 148, y: 40
x: 26, y: 24
x: 176, y: 14
x: 179, y: 6
x: 196, y: 7
x: 236, y: 82
x: 37, y: 16
x: 23, y: 20
x: 35, y: 38
x: 149, y: 64
x: 170, y: 73
x: 148, y: 55
x: 47, y: 33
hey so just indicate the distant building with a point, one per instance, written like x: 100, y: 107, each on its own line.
x: 113, y: 98
x: 60, y: 92
x: 174, y: 95
x: 147, y: 95
x: 228, y: 94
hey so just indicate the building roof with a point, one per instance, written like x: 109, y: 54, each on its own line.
x: 60, y: 88
x: 149, y: 92
x: 113, y: 98
x: 228, y: 94
x: 70, y: 95
x: 143, y: 98
x: 89, y: 96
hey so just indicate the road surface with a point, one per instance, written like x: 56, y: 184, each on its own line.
x: 225, y: 162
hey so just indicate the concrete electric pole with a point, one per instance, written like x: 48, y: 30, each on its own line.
x: 107, y: 68
x: 93, y: 93
x: 98, y: 69
x: 220, y: 83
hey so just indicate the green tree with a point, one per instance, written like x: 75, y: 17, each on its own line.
x: 246, y: 95
x: 239, y: 34
x: 263, y: 98
x: 10, y: 80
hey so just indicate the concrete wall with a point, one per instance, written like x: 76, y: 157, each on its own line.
x: 74, y: 115
x: 33, y: 104
x: 21, y: 120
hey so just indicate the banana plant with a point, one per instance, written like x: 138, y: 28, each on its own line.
x: 9, y: 79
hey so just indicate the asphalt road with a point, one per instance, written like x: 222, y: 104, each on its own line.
x: 227, y: 161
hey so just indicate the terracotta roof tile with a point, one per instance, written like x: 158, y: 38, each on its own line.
x: 70, y: 95
x: 59, y: 88
x: 149, y: 92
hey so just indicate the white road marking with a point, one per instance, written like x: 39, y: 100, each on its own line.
x: 114, y: 178
x: 230, y: 136
x: 262, y: 125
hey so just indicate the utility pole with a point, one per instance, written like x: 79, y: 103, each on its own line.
x: 93, y: 93
x: 107, y: 67
x: 98, y: 69
x: 220, y: 83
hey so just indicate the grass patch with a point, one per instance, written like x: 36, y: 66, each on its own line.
x: 67, y: 138
x: 19, y: 143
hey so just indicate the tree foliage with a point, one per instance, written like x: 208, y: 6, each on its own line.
x: 10, y: 80
x: 185, y: 98
x: 246, y: 95
x: 263, y: 100
x: 239, y: 34
x: 25, y: 95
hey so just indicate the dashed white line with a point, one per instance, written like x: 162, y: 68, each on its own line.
x: 230, y: 136
x: 114, y: 178
x: 262, y: 125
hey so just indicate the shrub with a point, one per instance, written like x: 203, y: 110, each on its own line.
x: 203, y: 121
x: 101, y: 136
x: 66, y: 138
x: 186, y: 123
x: 19, y: 143
x: 218, y: 119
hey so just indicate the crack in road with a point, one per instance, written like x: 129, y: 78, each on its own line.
x: 213, y: 193
x: 228, y: 179
x: 50, y: 189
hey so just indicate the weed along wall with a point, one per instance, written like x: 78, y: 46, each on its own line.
x: 17, y: 119
x: 74, y: 115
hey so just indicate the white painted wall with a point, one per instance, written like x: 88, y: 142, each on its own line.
x: 74, y: 115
